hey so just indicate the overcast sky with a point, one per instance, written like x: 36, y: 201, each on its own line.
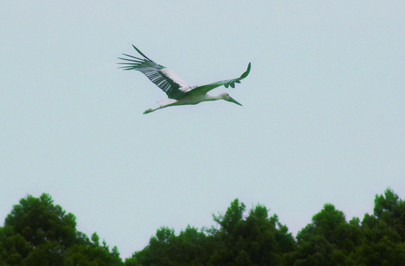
x: 322, y: 118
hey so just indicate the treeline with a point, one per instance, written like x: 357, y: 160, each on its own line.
x: 37, y: 232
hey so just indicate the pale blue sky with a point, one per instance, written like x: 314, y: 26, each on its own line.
x: 322, y: 118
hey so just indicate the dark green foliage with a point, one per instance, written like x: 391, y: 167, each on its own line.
x: 258, y: 239
x: 254, y: 240
x: 377, y: 240
x: 383, y: 232
x: 190, y: 247
x: 37, y: 232
x: 328, y: 240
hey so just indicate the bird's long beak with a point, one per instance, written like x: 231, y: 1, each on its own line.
x: 234, y: 101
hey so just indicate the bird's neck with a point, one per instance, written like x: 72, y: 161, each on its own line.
x: 212, y: 98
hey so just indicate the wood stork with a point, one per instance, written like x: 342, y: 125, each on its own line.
x: 178, y: 91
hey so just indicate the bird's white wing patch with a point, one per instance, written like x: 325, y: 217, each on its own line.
x: 166, y: 102
x: 175, y: 78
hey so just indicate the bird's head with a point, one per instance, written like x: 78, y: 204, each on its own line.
x: 226, y: 97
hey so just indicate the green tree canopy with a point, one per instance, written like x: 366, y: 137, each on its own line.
x: 383, y: 232
x: 253, y: 240
x: 328, y: 240
x: 37, y: 232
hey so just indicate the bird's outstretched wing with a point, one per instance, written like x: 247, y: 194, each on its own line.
x: 163, y: 77
x: 229, y: 82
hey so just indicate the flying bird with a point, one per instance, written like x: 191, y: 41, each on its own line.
x: 177, y: 90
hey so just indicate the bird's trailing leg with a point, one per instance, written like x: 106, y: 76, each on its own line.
x: 150, y: 110
x: 163, y: 104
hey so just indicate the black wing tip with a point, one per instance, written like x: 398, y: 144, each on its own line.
x: 139, y: 51
x: 135, y: 59
x: 244, y: 75
x: 232, y: 82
